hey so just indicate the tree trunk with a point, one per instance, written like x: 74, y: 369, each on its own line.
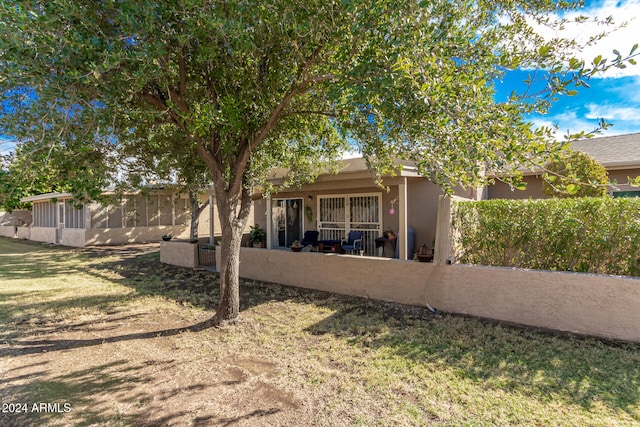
x: 229, y: 305
x: 196, y: 210
x: 234, y: 214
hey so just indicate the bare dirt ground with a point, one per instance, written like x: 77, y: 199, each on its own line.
x: 143, y: 366
x: 132, y: 367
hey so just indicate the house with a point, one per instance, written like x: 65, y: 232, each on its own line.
x: 16, y: 218
x: 620, y: 155
x: 134, y: 218
x: 350, y: 200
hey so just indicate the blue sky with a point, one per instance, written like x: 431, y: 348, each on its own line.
x: 614, y: 96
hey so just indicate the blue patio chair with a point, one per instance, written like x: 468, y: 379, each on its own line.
x: 310, y: 238
x: 353, y: 244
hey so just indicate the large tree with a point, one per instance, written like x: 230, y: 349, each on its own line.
x: 283, y: 83
x: 573, y: 173
x: 30, y: 170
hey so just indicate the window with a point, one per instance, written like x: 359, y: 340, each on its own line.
x: 617, y: 194
x: 73, y: 216
x: 44, y: 214
x: 340, y: 214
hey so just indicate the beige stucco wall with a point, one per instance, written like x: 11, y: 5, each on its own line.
x: 183, y: 254
x: 604, y: 306
x: 8, y: 231
x: 423, y: 202
x: 79, y: 237
x: 73, y: 237
x: 621, y: 178
x: 43, y: 234
x: 260, y: 217
x: 115, y: 236
x: 500, y: 190
x: 24, y: 233
x: 370, y: 277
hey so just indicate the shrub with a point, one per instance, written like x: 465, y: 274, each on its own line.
x: 575, y: 174
x: 594, y: 235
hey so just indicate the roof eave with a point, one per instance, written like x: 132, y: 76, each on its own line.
x: 46, y: 196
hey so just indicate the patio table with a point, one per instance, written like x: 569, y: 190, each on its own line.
x: 330, y: 246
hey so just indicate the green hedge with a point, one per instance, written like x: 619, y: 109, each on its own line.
x: 594, y: 235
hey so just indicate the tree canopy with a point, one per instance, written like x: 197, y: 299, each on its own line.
x: 250, y: 86
x: 574, y: 174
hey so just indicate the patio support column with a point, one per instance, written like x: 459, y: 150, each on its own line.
x: 173, y: 208
x: 269, y: 224
x: 443, y: 231
x: 402, y: 218
x: 86, y: 210
x: 212, y: 228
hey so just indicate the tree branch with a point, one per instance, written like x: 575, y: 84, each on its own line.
x: 294, y: 90
x: 182, y: 85
x: 179, y: 101
x: 263, y: 130
x: 212, y: 162
x: 316, y: 112
x: 160, y: 105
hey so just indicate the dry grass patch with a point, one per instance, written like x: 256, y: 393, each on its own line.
x: 122, y: 339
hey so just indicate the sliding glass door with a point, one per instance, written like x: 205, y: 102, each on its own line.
x: 286, y: 215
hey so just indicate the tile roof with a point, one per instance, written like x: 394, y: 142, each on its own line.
x: 612, y: 151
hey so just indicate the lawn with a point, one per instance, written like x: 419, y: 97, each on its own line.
x: 114, y: 338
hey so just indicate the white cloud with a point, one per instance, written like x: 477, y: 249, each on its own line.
x: 613, y: 112
x: 6, y: 145
x: 622, y: 39
x: 569, y: 122
x: 351, y: 155
x: 547, y: 123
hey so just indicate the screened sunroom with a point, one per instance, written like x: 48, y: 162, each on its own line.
x: 57, y: 218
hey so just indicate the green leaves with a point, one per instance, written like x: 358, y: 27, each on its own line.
x: 222, y: 73
x: 574, y: 174
x: 594, y: 235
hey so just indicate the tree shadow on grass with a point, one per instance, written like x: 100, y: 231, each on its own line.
x: 35, y: 261
x: 579, y: 370
x: 576, y: 370
x: 21, y: 347
x: 545, y: 365
x: 86, y: 392
x: 196, y: 288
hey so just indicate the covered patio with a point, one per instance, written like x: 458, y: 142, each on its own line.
x: 348, y: 201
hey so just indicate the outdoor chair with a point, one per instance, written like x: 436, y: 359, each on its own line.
x: 310, y: 238
x: 353, y: 244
